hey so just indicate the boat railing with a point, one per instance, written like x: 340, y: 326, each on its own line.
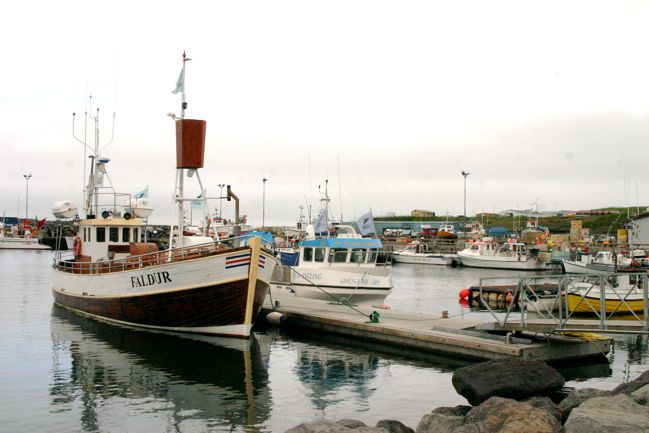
x: 146, y: 259
x: 614, y: 302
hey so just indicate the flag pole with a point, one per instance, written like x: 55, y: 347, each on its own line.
x: 182, y: 88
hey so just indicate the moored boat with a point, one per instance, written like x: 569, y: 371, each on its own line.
x: 347, y: 268
x: 417, y: 253
x: 587, y: 297
x: 509, y: 255
x: 199, y: 285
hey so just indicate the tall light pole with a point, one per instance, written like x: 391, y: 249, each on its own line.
x: 221, y: 185
x: 27, y: 177
x: 263, y: 205
x: 465, y: 174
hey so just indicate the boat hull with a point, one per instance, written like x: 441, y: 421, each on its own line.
x: 475, y: 261
x: 592, y: 304
x: 368, y: 286
x: 575, y: 267
x: 208, y: 295
x: 427, y: 259
x: 22, y: 244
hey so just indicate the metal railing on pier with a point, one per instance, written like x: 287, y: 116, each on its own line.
x: 602, y: 303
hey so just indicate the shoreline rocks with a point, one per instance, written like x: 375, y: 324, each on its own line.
x: 513, y: 396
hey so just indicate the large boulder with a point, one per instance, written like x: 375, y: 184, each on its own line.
x: 439, y: 423
x: 510, y: 378
x: 393, y: 426
x: 504, y: 415
x: 350, y: 423
x: 332, y: 427
x: 443, y: 419
x: 545, y: 404
x: 641, y: 396
x: 611, y: 414
x: 634, y: 385
x: 577, y: 397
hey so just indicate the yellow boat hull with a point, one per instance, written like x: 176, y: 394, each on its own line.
x: 587, y: 304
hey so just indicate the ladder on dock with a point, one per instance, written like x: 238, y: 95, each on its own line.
x: 597, y: 304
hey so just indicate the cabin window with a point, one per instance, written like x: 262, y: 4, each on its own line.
x: 371, y: 257
x: 320, y: 254
x: 308, y: 255
x: 136, y: 237
x: 357, y: 255
x: 113, y: 233
x: 338, y: 255
x: 125, y: 234
x: 474, y: 248
x: 101, y: 234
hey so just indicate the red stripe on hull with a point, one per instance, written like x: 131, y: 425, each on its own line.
x: 216, y: 305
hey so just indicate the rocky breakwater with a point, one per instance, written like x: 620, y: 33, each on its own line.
x: 515, y: 396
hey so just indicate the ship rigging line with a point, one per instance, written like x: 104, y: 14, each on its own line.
x: 335, y: 298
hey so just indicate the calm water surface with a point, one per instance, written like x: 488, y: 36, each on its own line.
x: 60, y: 372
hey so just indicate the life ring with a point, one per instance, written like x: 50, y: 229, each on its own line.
x: 28, y: 235
x: 77, y: 246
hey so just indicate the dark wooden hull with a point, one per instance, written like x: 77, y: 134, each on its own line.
x: 210, y: 306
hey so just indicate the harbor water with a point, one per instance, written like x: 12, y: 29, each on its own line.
x: 63, y: 372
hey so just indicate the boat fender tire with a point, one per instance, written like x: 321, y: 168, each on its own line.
x: 77, y: 246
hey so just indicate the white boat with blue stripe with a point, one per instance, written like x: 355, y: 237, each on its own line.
x: 343, y: 267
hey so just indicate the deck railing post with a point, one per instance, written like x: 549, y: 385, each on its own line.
x: 602, y: 302
x: 645, y: 300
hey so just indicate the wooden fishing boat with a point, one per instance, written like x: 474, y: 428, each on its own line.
x: 200, y: 285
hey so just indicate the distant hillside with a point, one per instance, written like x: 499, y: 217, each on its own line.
x: 598, y: 224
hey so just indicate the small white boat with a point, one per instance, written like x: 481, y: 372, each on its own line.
x: 604, y: 262
x: 416, y: 253
x: 510, y: 255
x: 346, y: 267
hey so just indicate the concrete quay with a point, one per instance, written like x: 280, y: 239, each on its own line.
x: 422, y: 333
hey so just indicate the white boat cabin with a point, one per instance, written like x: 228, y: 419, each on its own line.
x: 107, y: 239
x: 496, y: 249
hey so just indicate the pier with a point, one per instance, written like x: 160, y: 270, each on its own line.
x: 407, y: 332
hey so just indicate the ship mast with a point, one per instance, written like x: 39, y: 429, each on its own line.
x: 98, y: 165
x: 190, y: 150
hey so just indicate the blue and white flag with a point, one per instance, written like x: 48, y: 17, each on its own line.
x: 366, y: 224
x: 180, y: 83
x: 198, y: 204
x: 321, y: 223
x: 142, y: 194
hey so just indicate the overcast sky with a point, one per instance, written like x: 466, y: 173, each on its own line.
x: 542, y: 102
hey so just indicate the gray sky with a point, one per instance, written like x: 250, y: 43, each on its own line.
x: 539, y: 101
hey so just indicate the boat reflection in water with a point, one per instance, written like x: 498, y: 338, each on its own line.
x: 121, y: 376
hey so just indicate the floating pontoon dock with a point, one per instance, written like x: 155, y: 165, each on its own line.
x: 406, y: 331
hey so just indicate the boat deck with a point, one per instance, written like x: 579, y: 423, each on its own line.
x: 406, y: 331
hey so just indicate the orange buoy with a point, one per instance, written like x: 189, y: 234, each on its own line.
x: 464, y: 293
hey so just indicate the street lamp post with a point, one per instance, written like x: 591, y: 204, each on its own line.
x: 465, y: 174
x: 221, y: 185
x: 263, y: 205
x: 27, y: 177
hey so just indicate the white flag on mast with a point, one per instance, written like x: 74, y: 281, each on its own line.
x: 366, y: 224
x: 180, y: 83
x: 321, y: 224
